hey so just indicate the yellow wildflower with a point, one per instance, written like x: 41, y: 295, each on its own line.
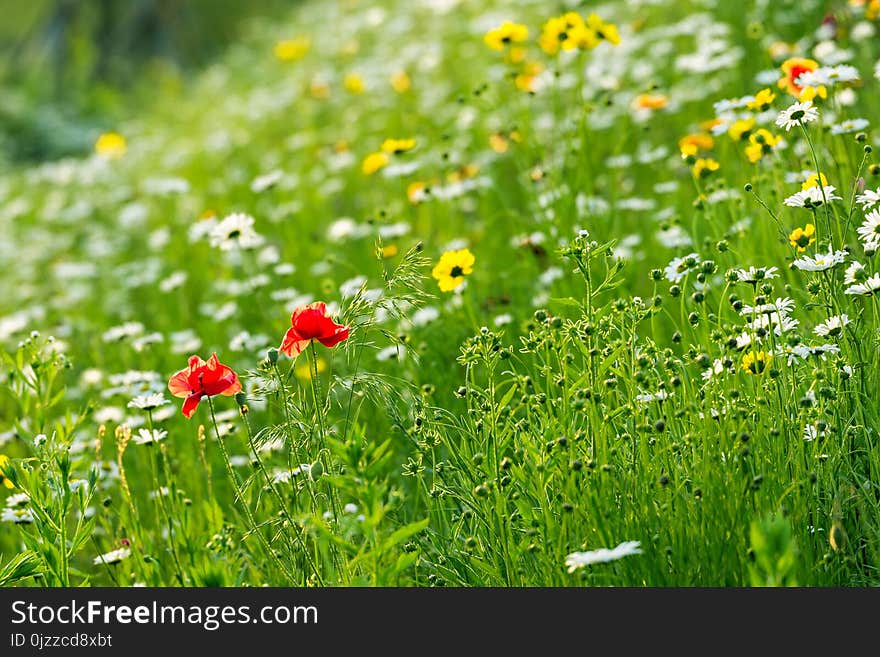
x: 290, y: 50
x: 398, y: 146
x: 111, y: 145
x: 761, y: 143
x: 401, y: 82
x: 741, y: 129
x: 4, y: 460
x: 373, y: 162
x: 354, y: 84
x: 507, y: 33
x: 763, y: 100
x: 650, y: 101
x: 756, y: 362
x: 604, y: 31
x: 801, y: 238
x: 690, y: 145
x: 452, y: 268
x: 705, y: 166
x: 303, y: 371
x: 813, y: 181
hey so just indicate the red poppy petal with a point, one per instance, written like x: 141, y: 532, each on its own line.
x: 336, y: 338
x: 178, y: 384
x: 191, y: 403
x: 294, y: 348
x: 233, y: 386
x: 289, y: 345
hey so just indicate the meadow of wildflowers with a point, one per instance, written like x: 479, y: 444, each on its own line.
x: 450, y: 293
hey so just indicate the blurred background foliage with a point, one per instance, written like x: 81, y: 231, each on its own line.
x: 71, y: 68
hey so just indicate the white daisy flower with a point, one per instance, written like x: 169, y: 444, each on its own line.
x: 266, y: 181
x: 713, y: 371
x: 820, y: 261
x: 127, y: 330
x: 781, y: 306
x: 648, y: 397
x: 849, y: 126
x: 780, y: 323
x: 755, y: 274
x: 796, y: 115
x: 743, y: 340
x: 114, y: 556
x: 235, y: 231
x: 678, y: 268
x: 17, y: 500
x: 828, y: 75
x: 855, y: 273
x: 811, y: 432
x: 17, y: 516
x: 577, y: 560
x: 149, y: 436
x: 868, y: 199
x: 812, y: 197
x: 870, y: 286
x: 832, y: 326
x: 869, y: 231
x: 148, y: 402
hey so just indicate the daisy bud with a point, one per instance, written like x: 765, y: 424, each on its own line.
x: 861, y: 137
x: 874, y: 169
x: 272, y: 356
x: 240, y: 398
x: 748, y: 187
x: 868, y: 149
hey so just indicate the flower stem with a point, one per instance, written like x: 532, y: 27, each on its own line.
x: 239, y: 496
x: 319, y: 415
x: 297, y: 530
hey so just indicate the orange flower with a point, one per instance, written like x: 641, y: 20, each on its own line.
x: 650, y: 101
x: 792, y: 69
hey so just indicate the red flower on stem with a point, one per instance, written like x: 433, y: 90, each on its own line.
x: 203, y: 379
x: 309, y: 323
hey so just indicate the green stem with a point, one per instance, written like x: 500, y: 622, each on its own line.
x: 239, y: 496
x: 319, y: 415
x: 281, y: 504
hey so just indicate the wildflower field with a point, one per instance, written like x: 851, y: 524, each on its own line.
x: 452, y: 293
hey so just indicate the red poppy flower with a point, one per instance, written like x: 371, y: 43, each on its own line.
x: 309, y: 323
x: 203, y: 379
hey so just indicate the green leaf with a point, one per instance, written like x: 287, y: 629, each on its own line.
x: 405, y: 532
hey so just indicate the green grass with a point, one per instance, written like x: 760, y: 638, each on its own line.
x: 569, y: 397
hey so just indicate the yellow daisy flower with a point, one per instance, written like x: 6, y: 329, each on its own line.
x: 111, y: 145
x: 801, y: 238
x: 505, y: 34
x: 756, y: 362
x: 452, y: 268
x: 3, y: 480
